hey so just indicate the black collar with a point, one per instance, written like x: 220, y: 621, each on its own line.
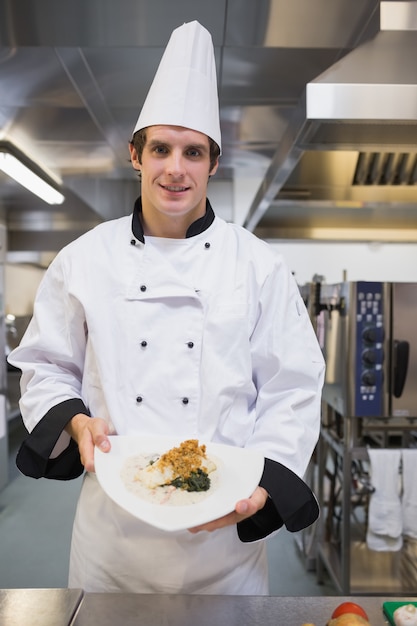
x: 195, y: 228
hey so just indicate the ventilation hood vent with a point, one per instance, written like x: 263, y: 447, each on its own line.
x: 389, y: 168
x: 366, y: 102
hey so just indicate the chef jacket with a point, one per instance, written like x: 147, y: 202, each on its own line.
x: 204, y: 337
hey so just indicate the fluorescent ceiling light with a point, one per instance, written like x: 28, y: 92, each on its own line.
x: 25, y: 176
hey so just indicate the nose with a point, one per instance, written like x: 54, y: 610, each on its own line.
x: 175, y: 164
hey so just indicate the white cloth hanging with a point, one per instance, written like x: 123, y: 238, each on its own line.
x: 409, y: 500
x: 385, y: 523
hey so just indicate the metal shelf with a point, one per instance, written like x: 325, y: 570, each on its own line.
x: 341, y: 535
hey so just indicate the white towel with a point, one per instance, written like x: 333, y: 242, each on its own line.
x: 410, y: 492
x: 385, y: 524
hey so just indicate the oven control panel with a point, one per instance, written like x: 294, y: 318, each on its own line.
x: 369, y: 354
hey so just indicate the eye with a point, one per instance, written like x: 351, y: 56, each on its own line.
x: 193, y: 152
x: 160, y: 149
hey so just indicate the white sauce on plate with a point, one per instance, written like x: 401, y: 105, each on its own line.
x: 167, y: 495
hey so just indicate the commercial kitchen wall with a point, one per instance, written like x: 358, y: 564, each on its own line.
x: 358, y: 261
x: 391, y: 262
x: 21, y: 284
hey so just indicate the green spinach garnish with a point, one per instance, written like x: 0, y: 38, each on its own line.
x: 197, y: 481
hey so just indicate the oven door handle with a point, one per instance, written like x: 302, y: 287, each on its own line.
x: 401, y: 358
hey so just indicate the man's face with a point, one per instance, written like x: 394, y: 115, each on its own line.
x: 175, y: 169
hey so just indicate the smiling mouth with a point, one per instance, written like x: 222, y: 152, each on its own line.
x: 174, y: 188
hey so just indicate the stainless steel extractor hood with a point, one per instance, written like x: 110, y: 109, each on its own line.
x: 366, y: 102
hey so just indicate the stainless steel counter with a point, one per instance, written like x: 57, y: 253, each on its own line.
x: 70, y: 607
x: 38, y: 607
x: 174, y: 610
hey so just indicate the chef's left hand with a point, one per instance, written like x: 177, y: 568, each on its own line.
x: 244, y: 508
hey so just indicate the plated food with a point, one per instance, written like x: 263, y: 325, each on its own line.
x: 180, y: 476
x: 235, y: 477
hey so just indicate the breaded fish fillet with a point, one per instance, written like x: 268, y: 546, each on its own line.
x: 178, y: 462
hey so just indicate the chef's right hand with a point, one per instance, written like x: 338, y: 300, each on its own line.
x: 88, y: 432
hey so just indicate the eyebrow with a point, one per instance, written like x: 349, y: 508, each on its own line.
x: 160, y: 142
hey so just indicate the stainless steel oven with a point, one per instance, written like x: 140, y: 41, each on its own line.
x: 368, y: 334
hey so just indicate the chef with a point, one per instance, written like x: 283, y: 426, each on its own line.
x: 172, y: 322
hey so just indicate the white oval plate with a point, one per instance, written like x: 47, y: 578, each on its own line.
x: 239, y: 472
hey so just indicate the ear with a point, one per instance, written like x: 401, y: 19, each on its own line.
x: 134, y: 157
x: 214, y: 168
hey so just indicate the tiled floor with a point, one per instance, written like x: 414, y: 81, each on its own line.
x: 35, y: 529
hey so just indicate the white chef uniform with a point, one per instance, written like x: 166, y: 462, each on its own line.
x: 202, y: 337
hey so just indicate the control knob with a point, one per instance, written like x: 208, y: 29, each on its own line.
x: 369, y: 357
x: 373, y: 334
x: 369, y: 378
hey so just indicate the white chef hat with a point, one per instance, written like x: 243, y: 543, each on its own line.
x: 184, y: 90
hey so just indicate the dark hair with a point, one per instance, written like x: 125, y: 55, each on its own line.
x: 139, y: 140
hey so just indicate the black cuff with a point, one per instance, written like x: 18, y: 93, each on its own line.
x: 291, y: 502
x: 33, y: 456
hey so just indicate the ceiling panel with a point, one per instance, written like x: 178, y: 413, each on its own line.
x: 269, y: 75
x: 34, y: 75
x: 106, y: 23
